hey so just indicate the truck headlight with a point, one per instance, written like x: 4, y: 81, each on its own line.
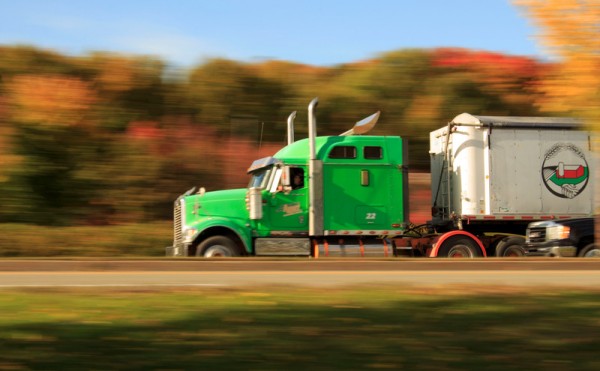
x: 559, y: 232
x: 188, y: 234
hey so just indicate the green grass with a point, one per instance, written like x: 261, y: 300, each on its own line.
x: 21, y: 240
x: 364, y: 328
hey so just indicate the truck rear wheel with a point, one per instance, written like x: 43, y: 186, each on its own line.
x: 217, y: 247
x: 510, y: 247
x: 458, y: 247
x: 590, y: 251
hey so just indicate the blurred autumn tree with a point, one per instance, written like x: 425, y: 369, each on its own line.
x: 231, y: 97
x: 131, y: 88
x: 109, y: 138
x: 65, y: 124
x: 53, y: 126
x: 570, y: 29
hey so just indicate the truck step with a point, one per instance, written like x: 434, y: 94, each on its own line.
x: 359, y: 249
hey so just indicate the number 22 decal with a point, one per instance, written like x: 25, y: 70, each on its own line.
x: 371, y: 216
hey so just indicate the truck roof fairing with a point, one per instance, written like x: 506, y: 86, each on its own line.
x: 514, y: 121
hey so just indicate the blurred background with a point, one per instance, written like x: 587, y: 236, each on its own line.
x: 100, y: 127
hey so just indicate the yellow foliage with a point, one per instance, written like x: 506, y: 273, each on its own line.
x: 571, y: 30
x: 117, y: 74
x: 570, y: 27
x: 120, y: 73
x: 49, y: 100
x: 573, y: 86
x: 424, y: 107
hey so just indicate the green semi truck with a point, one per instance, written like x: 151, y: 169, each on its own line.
x: 348, y: 195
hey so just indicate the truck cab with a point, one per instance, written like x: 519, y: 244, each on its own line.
x: 316, y: 188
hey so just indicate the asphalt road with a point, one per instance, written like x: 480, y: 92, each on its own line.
x: 580, y: 273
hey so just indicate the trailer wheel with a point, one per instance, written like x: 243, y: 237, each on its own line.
x: 217, y: 247
x: 590, y: 251
x: 459, y: 247
x: 510, y: 247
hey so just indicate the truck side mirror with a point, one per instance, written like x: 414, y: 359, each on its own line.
x: 286, y: 179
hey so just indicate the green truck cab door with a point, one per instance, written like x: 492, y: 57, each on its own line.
x: 287, y: 207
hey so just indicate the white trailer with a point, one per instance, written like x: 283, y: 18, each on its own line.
x: 492, y: 175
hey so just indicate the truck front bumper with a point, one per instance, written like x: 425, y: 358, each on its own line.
x: 562, y: 248
x: 177, y: 250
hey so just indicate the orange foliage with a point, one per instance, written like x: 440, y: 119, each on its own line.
x: 570, y: 27
x: 3, y: 108
x: 571, y: 30
x: 50, y: 100
x: 119, y: 73
x: 424, y: 107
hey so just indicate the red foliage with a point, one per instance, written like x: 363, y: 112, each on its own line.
x: 237, y: 156
x: 200, y: 147
x: 483, y: 60
x: 144, y: 130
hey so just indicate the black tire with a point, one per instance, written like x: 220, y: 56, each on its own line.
x: 459, y: 247
x: 511, y: 247
x: 217, y: 247
x: 589, y: 251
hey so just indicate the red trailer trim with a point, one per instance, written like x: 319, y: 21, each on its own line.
x: 447, y: 235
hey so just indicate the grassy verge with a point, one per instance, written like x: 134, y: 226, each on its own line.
x: 298, y: 329
x: 19, y: 240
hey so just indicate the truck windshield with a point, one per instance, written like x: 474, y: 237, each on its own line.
x: 260, y: 178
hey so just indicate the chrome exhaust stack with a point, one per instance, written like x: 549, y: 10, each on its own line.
x: 290, y: 128
x: 312, y: 127
x: 315, y: 176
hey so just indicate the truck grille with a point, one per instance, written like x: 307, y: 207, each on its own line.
x: 177, y: 236
x: 536, y: 235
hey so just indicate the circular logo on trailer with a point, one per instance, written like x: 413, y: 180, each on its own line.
x: 565, y: 171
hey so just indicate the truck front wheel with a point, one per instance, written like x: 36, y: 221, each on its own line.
x: 590, y: 251
x: 217, y: 247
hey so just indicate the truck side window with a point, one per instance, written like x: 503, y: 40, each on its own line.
x: 297, y: 176
x: 373, y: 153
x: 343, y: 152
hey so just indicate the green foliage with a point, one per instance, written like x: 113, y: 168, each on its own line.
x: 111, y: 138
x: 232, y: 98
x: 135, y: 240
x: 296, y: 328
x: 17, y: 60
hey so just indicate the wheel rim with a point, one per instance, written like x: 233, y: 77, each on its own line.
x: 513, y: 251
x: 593, y: 253
x: 460, y: 251
x: 217, y: 251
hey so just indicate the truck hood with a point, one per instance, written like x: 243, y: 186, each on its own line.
x: 228, y: 203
